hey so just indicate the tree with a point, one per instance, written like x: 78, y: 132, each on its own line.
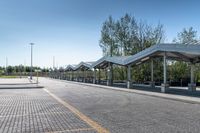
x: 107, y: 41
x: 149, y: 35
x: 127, y: 36
x: 10, y: 69
x: 187, y: 35
x: 178, y: 69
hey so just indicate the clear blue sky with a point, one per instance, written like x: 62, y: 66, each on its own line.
x: 70, y: 29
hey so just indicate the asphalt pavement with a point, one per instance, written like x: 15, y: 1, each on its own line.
x: 72, y: 107
x: 125, y: 112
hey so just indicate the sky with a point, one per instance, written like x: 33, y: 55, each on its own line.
x: 70, y: 30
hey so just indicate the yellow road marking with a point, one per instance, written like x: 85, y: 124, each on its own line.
x: 73, y: 130
x: 90, y: 122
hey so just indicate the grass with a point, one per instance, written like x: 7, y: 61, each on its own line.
x: 3, y: 76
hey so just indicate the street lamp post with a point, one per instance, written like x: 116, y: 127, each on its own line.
x: 6, y: 66
x: 31, y: 73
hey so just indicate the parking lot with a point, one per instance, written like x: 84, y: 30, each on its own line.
x: 70, y: 107
x: 34, y: 110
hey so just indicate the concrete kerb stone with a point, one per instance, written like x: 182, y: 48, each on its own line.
x: 29, y: 84
x: 192, y: 87
x: 185, y: 99
x: 28, y: 87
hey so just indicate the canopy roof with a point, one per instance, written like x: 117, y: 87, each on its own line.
x: 103, y: 62
x: 70, y: 68
x: 84, y: 65
x: 184, y: 52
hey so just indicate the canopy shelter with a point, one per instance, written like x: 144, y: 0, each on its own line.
x: 84, y: 65
x: 107, y: 62
x: 82, y: 69
x: 104, y: 61
x: 70, y: 68
x: 70, y: 72
x: 184, y: 52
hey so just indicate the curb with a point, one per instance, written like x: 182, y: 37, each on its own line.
x: 28, y: 87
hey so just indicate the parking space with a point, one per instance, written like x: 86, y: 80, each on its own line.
x: 34, y: 110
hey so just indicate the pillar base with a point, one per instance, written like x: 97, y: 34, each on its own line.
x: 192, y: 87
x: 164, y: 87
x: 152, y: 84
x: 129, y: 84
x: 94, y: 81
x: 109, y: 83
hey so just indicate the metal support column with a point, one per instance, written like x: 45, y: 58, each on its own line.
x: 78, y: 75
x: 110, y: 75
x: 99, y: 76
x: 70, y: 75
x: 84, y: 75
x: 192, y: 84
x: 129, y: 83
x: 152, y: 83
x: 72, y: 78
x: 94, y: 77
x: 164, y: 86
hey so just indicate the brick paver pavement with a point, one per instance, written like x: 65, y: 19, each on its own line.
x: 34, y: 110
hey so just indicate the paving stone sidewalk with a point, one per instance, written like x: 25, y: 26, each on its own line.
x: 33, y: 110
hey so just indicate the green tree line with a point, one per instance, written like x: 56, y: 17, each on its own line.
x: 128, y: 36
x: 20, y: 70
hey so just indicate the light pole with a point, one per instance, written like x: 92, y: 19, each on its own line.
x: 31, y: 74
x: 6, y: 65
x: 53, y: 62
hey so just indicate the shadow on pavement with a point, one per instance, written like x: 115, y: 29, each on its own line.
x: 18, y: 84
x: 171, y: 90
